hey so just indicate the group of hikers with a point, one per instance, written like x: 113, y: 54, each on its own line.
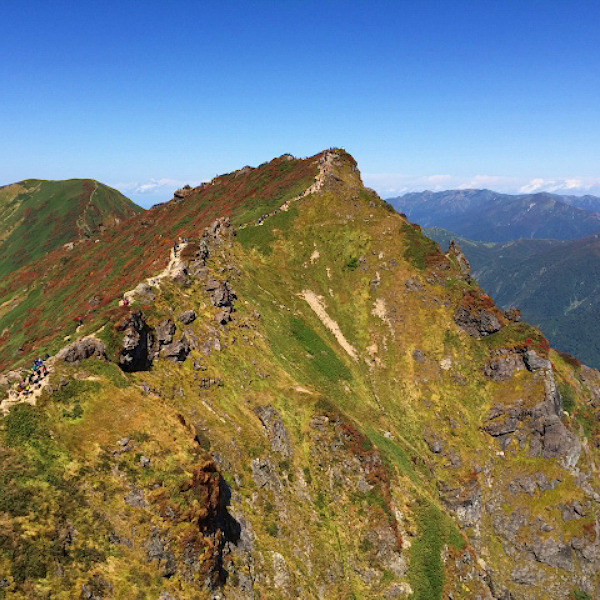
x: 38, y: 371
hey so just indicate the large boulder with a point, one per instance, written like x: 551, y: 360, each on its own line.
x: 220, y: 293
x: 478, y: 315
x: 165, y: 331
x: 503, y: 365
x: 222, y: 296
x: 177, y: 351
x: 81, y: 350
x: 478, y: 323
x: 187, y: 317
x: 534, y: 362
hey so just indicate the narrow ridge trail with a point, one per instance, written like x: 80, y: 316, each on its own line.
x: 81, y: 220
x: 325, y: 165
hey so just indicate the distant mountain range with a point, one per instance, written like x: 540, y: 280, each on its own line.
x: 556, y: 284
x: 36, y: 216
x: 494, y: 217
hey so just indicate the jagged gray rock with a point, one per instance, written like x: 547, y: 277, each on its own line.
x: 504, y: 365
x: 477, y: 324
x: 264, y: 474
x: 187, y: 317
x: 165, y: 331
x: 526, y: 575
x: 464, y: 500
x: 534, y: 362
x: 176, y: 351
x: 275, y: 430
x: 158, y: 551
x: 81, y: 350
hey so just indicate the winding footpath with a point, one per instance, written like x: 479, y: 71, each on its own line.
x: 174, y: 266
x: 325, y: 165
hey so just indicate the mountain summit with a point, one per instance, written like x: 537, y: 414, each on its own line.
x: 280, y: 388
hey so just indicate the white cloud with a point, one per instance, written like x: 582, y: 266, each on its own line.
x: 396, y: 184
x: 153, y: 186
x: 495, y: 182
x: 573, y: 185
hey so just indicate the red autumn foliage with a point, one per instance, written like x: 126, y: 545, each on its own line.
x: 133, y: 251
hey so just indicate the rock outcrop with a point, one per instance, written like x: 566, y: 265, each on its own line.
x: 478, y: 315
x: 187, y: 317
x: 165, y: 331
x: 137, y: 346
x: 539, y: 428
x: 504, y: 365
x: 222, y: 296
x: 455, y: 252
x: 176, y: 351
x: 275, y: 430
x: 78, y: 351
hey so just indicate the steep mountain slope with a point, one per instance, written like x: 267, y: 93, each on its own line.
x: 555, y: 284
x: 37, y: 216
x: 314, y: 403
x: 40, y: 303
x: 585, y: 202
x: 491, y: 217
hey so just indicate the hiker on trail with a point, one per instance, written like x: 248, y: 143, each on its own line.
x: 46, y: 356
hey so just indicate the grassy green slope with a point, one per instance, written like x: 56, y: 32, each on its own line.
x: 37, y: 216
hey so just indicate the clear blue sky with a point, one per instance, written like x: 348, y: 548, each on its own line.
x: 144, y: 95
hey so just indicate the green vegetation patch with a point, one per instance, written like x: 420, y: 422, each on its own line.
x: 518, y: 335
x: 324, y: 360
x: 418, y: 246
x: 393, y: 453
x: 262, y: 236
x: 426, y: 574
x: 568, y: 396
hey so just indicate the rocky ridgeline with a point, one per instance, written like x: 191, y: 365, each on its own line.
x: 141, y: 344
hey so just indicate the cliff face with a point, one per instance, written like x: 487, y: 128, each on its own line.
x: 311, y: 401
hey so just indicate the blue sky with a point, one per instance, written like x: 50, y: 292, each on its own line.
x: 146, y: 95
